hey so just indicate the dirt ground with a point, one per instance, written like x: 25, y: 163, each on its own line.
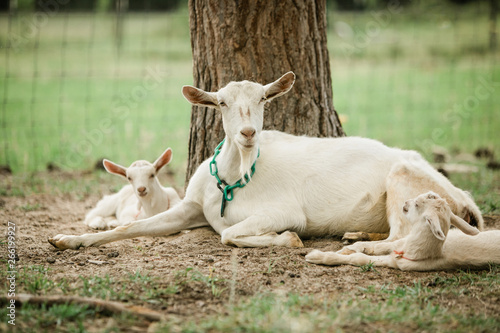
x: 40, y: 216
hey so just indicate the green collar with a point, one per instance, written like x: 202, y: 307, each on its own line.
x: 227, y: 190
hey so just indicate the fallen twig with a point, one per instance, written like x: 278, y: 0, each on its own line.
x: 109, y: 306
x: 97, y: 262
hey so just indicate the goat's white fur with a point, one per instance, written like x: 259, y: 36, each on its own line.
x: 142, y: 198
x: 302, y: 185
x: 429, y: 246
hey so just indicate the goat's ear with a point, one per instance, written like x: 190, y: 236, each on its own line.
x: 280, y: 86
x: 200, y: 97
x: 435, y: 226
x: 114, y: 168
x: 163, y: 160
x: 462, y: 225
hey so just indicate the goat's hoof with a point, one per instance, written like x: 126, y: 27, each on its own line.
x: 346, y: 251
x: 63, y: 242
x: 97, y: 228
x: 58, y: 245
x: 97, y: 224
x: 315, y: 257
x: 358, y: 247
x: 355, y: 236
x: 352, y: 237
x: 294, y: 239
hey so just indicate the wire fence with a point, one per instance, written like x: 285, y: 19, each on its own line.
x: 76, y: 87
x: 419, y: 77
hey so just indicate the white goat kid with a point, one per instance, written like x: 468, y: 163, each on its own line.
x: 142, y: 198
x: 298, y: 186
x: 429, y: 246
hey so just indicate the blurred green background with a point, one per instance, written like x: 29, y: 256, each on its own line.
x: 79, y: 84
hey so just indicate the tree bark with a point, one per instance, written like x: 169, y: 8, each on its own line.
x: 261, y: 40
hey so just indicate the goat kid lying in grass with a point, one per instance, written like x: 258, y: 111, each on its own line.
x: 142, y: 198
x: 429, y: 246
x: 268, y: 188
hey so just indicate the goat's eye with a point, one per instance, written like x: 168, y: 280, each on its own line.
x: 129, y: 178
x: 152, y: 176
x: 263, y: 99
x: 222, y: 103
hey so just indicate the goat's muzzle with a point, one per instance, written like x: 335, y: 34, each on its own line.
x: 405, y: 207
x: 141, y: 191
x: 248, y: 133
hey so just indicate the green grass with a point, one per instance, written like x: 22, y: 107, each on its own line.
x: 29, y: 207
x: 63, y: 317
x: 484, y: 187
x: 368, y: 267
x: 36, y: 280
x: 189, y: 275
x: 78, y: 185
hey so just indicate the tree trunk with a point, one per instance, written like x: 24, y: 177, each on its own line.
x: 259, y: 41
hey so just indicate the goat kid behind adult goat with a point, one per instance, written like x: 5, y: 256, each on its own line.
x: 267, y: 188
x: 430, y: 245
x: 142, y: 198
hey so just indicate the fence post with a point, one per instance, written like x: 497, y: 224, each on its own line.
x: 493, y: 24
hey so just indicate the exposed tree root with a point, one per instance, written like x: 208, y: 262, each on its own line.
x: 98, y: 304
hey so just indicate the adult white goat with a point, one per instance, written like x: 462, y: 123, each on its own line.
x: 142, y: 198
x: 294, y: 184
x: 429, y: 246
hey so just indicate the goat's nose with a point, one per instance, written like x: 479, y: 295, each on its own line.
x: 141, y: 189
x: 248, y: 132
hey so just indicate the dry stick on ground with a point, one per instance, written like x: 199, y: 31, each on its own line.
x: 108, y: 306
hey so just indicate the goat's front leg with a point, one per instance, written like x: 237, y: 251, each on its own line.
x: 355, y: 259
x: 185, y: 215
x: 376, y: 248
x: 260, y: 231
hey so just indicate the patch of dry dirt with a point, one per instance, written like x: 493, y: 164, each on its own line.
x: 40, y: 216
